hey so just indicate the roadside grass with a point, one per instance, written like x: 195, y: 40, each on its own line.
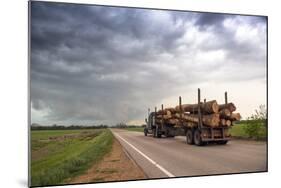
x: 138, y: 129
x: 238, y: 130
x: 66, y: 157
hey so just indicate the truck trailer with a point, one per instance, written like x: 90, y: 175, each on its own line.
x: 195, y: 132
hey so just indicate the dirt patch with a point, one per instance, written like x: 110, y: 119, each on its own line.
x: 36, y: 155
x: 81, y: 136
x: 249, y: 139
x: 115, y: 166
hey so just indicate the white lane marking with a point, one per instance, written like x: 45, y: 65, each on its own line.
x: 169, y: 174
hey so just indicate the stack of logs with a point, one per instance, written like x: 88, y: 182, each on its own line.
x: 213, y: 114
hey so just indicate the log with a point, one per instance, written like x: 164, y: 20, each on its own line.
x: 224, y: 113
x: 167, y: 111
x: 225, y: 122
x: 228, y: 123
x: 235, y: 117
x: 168, y: 116
x: 169, y: 121
x: 222, y: 122
x: 173, y: 121
x: 208, y: 107
x: 171, y: 110
x: 209, y: 120
x: 230, y: 106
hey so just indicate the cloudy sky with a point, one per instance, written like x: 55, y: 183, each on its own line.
x: 95, y: 64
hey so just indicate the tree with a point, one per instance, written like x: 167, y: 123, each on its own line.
x: 261, y: 113
x: 256, y: 125
x: 121, y: 125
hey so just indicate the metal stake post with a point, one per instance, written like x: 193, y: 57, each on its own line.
x: 180, y: 110
x: 199, y: 110
x: 162, y: 123
x: 155, y: 110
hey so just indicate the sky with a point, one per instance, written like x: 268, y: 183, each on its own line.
x: 93, y: 65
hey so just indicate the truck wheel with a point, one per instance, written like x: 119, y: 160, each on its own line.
x: 145, y: 132
x: 167, y: 134
x: 157, y: 132
x: 154, y: 133
x: 189, y: 137
x: 197, y: 138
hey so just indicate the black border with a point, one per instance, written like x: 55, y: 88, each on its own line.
x: 145, y: 8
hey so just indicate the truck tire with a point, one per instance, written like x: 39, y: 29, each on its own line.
x: 168, y: 134
x: 154, y: 133
x: 145, y: 132
x: 189, y: 137
x: 197, y: 138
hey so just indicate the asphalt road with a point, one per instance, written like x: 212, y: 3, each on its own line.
x: 172, y: 157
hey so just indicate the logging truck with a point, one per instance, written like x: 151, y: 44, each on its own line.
x: 200, y: 123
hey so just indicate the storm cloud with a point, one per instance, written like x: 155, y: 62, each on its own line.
x: 97, y: 64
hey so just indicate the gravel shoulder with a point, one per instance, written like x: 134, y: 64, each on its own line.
x: 115, y: 166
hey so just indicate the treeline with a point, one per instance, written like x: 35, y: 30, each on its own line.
x: 62, y: 127
x: 35, y: 126
x: 123, y: 125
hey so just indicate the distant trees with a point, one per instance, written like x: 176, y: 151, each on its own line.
x: 124, y: 125
x: 121, y: 125
x: 35, y: 126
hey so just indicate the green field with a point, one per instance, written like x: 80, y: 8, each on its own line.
x: 58, y: 155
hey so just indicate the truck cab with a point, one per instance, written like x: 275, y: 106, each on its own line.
x: 150, y: 124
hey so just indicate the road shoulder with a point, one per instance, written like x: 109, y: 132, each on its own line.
x: 115, y: 166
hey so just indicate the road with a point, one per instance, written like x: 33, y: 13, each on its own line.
x: 172, y: 157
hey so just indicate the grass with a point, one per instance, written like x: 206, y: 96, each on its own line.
x: 60, y: 155
x: 138, y: 129
x: 39, y: 139
x: 238, y: 130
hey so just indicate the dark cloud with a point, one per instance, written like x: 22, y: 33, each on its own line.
x: 213, y: 20
x: 106, y: 64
